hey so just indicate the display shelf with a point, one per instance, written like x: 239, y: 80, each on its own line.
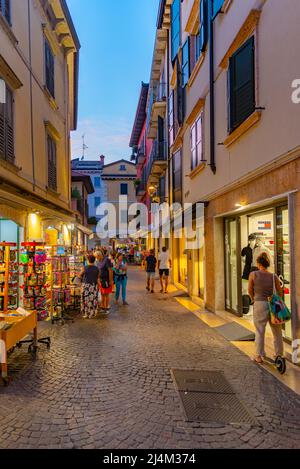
x: 8, y: 272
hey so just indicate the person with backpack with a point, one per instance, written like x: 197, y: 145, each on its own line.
x: 120, y: 273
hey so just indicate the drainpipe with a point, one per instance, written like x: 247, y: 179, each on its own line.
x: 31, y: 95
x: 212, y: 163
x: 167, y: 133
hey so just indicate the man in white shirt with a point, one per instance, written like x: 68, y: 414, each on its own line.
x: 164, y: 266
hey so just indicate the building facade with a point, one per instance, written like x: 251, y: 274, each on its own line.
x: 233, y: 143
x: 82, y: 187
x: 39, y: 59
x: 93, y: 169
x: 119, y: 179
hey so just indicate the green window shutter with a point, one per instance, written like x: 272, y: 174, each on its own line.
x: 242, y: 84
x: 175, y: 28
x: 217, y: 7
x: 49, y: 69
x: 203, y: 25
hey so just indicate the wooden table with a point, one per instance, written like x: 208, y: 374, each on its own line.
x: 10, y: 338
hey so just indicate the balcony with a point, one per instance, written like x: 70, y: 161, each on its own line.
x: 141, y: 189
x: 141, y: 155
x: 158, y: 162
x: 157, y: 106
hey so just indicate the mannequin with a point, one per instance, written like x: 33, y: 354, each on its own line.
x: 258, y: 250
x: 247, y: 252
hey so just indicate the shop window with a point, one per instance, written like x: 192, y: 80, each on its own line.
x: 241, y: 85
x: 52, y: 161
x: 197, y: 142
x: 5, y: 10
x: 175, y: 28
x: 49, y: 69
x: 177, y: 177
x: 7, y: 128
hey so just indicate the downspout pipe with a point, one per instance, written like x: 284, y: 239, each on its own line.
x: 212, y: 163
x: 167, y: 126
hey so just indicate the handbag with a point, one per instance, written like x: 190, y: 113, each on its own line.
x: 279, y: 312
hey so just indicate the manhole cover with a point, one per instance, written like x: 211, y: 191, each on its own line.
x: 217, y: 408
x: 201, y: 381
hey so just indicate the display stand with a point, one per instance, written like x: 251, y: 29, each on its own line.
x: 59, y: 280
x: 18, y: 324
x: 8, y: 277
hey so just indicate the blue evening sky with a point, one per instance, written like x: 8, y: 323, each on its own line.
x: 117, y: 39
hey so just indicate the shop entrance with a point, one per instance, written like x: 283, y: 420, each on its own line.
x: 246, y: 237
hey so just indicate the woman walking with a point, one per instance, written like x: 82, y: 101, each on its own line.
x: 106, y: 281
x: 261, y: 288
x: 90, y: 277
x: 120, y: 272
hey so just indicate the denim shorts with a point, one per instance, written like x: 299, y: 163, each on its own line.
x: 150, y: 275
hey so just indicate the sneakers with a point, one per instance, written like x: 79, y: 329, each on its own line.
x: 152, y: 291
x: 125, y: 303
x: 147, y: 288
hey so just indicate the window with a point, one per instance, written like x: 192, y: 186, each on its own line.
x: 124, y: 189
x: 203, y: 33
x: 5, y: 10
x: 97, y: 201
x: 241, y: 84
x: 52, y: 170
x: 171, y: 118
x: 175, y: 28
x: 185, y: 62
x: 49, y: 69
x: 122, y: 167
x: 7, y: 151
x: 177, y: 177
x: 217, y: 7
x: 197, y: 142
x: 97, y: 181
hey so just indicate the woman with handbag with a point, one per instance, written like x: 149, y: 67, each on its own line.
x: 261, y: 288
x: 90, y: 277
x: 106, y: 281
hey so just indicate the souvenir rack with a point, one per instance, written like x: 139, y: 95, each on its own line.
x: 9, y: 281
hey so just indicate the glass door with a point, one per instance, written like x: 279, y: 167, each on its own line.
x: 283, y: 259
x: 233, y: 268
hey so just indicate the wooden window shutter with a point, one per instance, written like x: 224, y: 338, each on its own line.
x: 175, y: 28
x: 180, y: 96
x: 204, y: 25
x: 9, y: 127
x: 217, y: 7
x: 242, y: 84
x: 49, y: 69
x: 52, y: 170
x: 6, y: 9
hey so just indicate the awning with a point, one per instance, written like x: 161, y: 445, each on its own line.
x: 84, y: 229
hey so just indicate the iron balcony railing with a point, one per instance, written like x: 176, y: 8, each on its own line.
x: 158, y: 94
x: 158, y: 153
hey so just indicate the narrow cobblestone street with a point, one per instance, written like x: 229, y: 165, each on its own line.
x: 106, y: 383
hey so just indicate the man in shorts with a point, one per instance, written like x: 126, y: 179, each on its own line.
x: 164, y: 265
x: 151, y: 262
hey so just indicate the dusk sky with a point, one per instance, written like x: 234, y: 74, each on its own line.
x: 117, y: 41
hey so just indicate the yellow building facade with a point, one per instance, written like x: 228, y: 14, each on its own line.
x: 39, y: 60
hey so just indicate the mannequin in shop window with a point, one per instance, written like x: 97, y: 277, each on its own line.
x: 247, y: 255
x: 259, y: 248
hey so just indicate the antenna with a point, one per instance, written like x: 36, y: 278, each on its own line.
x: 84, y: 147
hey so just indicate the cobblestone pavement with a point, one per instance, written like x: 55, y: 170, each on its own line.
x: 106, y: 383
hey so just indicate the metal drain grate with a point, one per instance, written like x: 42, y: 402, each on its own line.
x: 201, y: 381
x: 207, y: 396
x: 218, y: 408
